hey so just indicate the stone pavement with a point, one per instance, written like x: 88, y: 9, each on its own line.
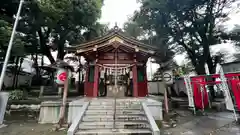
x: 221, y: 123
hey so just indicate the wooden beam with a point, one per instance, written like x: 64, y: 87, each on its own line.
x: 112, y: 61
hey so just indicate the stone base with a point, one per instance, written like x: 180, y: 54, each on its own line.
x: 155, y: 108
x: 75, y: 108
x: 3, y: 104
x: 49, y: 112
x: 219, y: 106
x: 2, y: 126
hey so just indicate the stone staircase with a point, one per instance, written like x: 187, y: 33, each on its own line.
x: 100, y: 118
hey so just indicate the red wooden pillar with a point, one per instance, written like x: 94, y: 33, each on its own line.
x: 86, y: 82
x: 96, y: 81
x: 135, y: 81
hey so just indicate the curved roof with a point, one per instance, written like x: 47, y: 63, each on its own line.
x: 117, y: 35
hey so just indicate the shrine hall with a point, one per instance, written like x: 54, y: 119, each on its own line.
x: 115, y: 65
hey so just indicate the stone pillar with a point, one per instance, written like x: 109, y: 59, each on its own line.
x: 41, y: 91
x: 96, y: 81
x: 3, y: 104
x: 60, y: 91
x: 135, y: 81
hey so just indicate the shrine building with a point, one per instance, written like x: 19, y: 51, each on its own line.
x: 116, y: 65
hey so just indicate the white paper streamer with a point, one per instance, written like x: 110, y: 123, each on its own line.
x: 102, y: 74
x: 131, y: 75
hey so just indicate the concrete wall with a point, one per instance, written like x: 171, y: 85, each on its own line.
x: 23, y: 79
x: 179, y: 86
x: 50, y: 110
x: 232, y: 67
x: 156, y: 87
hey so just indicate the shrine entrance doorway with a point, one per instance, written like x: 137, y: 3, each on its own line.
x: 116, y: 80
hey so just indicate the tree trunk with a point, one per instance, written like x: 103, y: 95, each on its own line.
x: 36, y: 65
x: 61, y: 52
x: 44, y: 47
x: 200, y: 69
x: 18, y: 71
x: 49, y: 56
x: 15, y: 72
x: 212, y: 70
x: 42, y: 62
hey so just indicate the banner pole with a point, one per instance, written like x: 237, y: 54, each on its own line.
x: 206, y: 86
x: 201, y: 88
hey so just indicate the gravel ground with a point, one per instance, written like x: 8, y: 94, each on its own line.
x: 25, y: 123
x: 217, y: 123
x: 29, y: 128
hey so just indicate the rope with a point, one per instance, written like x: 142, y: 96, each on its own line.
x: 115, y: 68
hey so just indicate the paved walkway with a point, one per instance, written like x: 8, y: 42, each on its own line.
x: 213, y: 124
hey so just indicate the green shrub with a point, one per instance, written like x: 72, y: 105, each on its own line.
x: 17, y: 95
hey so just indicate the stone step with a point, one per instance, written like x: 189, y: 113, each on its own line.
x: 117, y: 99
x: 112, y: 107
x: 117, y: 116
x: 118, y: 106
x: 111, y: 112
x: 110, y: 125
x: 117, y: 110
x: 113, y: 102
x: 92, y: 118
x: 114, y: 132
x: 110, y: 104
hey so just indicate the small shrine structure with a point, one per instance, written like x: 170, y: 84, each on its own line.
x: 115, y: 59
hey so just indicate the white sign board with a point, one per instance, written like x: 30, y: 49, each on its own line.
x: 189, y: 91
